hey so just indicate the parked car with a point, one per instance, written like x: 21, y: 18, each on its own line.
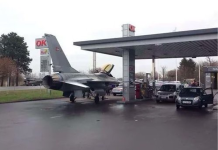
x: 158, y: 84
x: 117, y: 90
x: 194, y: 97
x: 168, y: 92
x: 33, y: 83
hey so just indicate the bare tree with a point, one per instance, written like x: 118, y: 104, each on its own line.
x: 209, y: 60
x: 171, y: 75
x: 140, y: 75
x: 7, y: 69
x: 31, y: 75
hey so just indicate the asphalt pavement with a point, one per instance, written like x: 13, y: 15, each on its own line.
x: 14, y: 88
x: 61, y: 125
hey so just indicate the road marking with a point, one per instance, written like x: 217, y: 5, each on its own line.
x: 55, y: 117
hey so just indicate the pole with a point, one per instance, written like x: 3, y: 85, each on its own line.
x: 176, y: 70
x: 8, y: 83
x: 14, y: 83
x: 94, y: 60
x: 49, y: 74
x: 49, y: 69
x: 199, y: 74
x: 153, y: 68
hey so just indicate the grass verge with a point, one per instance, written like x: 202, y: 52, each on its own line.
x: 28, y: 95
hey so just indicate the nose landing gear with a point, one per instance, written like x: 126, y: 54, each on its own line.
x: 72, y: 97
x: 97, y: 99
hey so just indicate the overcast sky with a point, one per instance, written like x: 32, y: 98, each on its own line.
x: 71, y: 21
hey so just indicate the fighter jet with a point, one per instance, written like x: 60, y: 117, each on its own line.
x: 72, y: 82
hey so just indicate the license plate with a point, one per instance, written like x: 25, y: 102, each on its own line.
x: 163, y: 97
x: 186, y: 102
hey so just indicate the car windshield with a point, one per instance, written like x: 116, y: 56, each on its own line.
x: 190, y: 92
x: 168, y: 88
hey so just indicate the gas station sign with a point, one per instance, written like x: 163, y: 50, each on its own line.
x: 41, y: 43
x: 128, y: 30
x: 131, y: 28
x: 45, y: 59
x: 44, y: 52
x: 45, y: 62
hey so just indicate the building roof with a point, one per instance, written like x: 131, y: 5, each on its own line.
x: 193, y: 43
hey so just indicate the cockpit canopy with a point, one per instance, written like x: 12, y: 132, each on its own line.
x: 107, y: 69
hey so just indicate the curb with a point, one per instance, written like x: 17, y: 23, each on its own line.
x: 215, y: 103
x: 215, y: 106
x: 32, y: 100
x: 134, y: 101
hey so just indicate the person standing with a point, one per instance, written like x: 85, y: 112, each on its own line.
x: 194, y: 83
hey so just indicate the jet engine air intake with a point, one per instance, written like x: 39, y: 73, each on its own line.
x: 52, y: 82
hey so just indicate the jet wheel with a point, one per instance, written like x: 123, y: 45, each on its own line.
x: 72, y: 98
x: 97, y: 99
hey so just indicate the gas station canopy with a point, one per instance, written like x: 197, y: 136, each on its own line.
x: 193, y: 43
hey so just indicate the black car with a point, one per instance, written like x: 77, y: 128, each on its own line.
x: 194, y: 97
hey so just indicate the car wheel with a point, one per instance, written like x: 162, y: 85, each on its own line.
x: 177, y: 106
x: 200, y: 106
x: 114, y: 94
x: 157, y: 101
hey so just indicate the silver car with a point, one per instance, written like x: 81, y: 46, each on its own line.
x: 168, y: 92
x: 117, y: 90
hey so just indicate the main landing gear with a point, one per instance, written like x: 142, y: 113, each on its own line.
x: 72, y: 97
x: 97, y: 98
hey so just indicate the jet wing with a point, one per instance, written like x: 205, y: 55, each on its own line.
x: 76, y: 84
x: 81, y: 80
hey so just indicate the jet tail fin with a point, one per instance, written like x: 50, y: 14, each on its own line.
x: 59, y: 60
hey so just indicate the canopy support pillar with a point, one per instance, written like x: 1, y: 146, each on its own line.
x: 128, y: 75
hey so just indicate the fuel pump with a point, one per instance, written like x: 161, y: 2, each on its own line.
x: 146, y: 88
x: 138, y: 91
